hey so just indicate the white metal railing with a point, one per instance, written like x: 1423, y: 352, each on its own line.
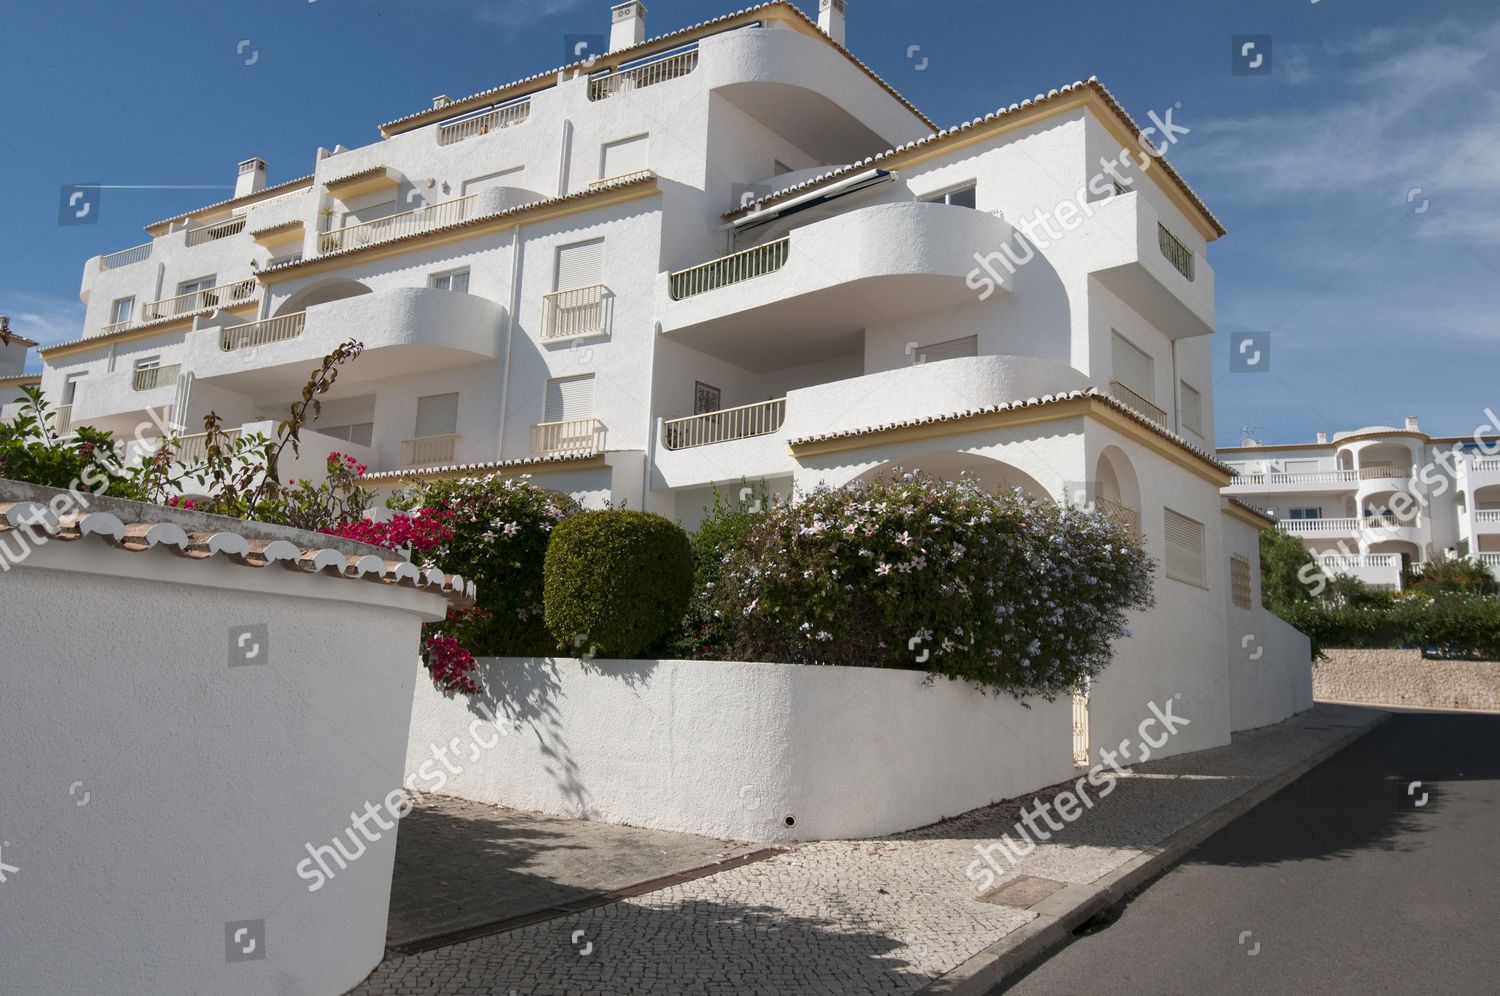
x: 1337, y: 562
x: 194, y: 448
x: 426, y: 451
x: 1140, y: 403
x: 1177, y: 253
x: 659, y: 69
x: 125, y: 257
x: 575, y: 435
x: 743, y: 422
x: 744, y: 265
x: 579, y: 311
x: 635, y: 174
x: 223, y: 296
x: 397, y: 226
x: 1306, y: 477
x: 252, y: 334
x: 1304, y: 527
x: 1378, y: 473
x: 1123, y: 514
x: 221, y: 230
x: 150, y: 378
x: 484, y: 122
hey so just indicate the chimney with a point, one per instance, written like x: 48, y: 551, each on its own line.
x: 441, y: 100
x: 627, y: 25
x: 1411, y: 424
x: 1323, y: 439
x: 831, y: 19
x: 252, y: 178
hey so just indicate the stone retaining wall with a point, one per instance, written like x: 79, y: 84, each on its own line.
x: 1405, y: 678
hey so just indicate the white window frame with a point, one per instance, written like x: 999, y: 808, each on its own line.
x: 115, y: 318
x: 437, y: 280
x: 945, y: 196
x: 197, y: 285
x: 1196, y: 426
x: 1305, y: 514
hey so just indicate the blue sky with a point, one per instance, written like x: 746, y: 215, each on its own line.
x: 1359, y: 180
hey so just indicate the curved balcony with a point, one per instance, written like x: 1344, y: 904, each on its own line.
x: 810, y: 296
x: 405, y: 331
x: 1131, y: 256
x: 1390, y: 528
x: 1317, y: 480
x: 1377, y: 484
x: 1320, y: 528
x: 1479, y: 471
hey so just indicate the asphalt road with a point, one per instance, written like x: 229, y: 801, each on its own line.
x: 1347, y: 881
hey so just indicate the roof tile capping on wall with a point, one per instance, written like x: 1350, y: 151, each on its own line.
x: 196, y: 711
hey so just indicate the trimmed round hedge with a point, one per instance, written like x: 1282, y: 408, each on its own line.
x: 615, y: 581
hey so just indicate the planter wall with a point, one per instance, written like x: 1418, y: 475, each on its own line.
x: 733, y: 749
x: 163, y: 777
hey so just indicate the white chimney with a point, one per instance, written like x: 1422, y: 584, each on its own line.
x: 627, y: 25
x: 252, y: 178
x: 441, y: 100
x: 1323, y: 438
x: 1411, y: 424
x: 831, y: 19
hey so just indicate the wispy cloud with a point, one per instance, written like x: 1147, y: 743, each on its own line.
x: 520, y: 13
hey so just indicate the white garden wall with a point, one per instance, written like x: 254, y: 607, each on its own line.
x: 733, y: 749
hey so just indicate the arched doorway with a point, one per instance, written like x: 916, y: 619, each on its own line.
x: 323, y: 292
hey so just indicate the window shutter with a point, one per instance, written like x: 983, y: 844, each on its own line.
x: 437, y: 415
x: 1133, y: 367
x: 1184, y: 549
x: 580, y: 265
x: 569, y: 398
x: 371, y: 213
x: 950, y: 349
x: 504, y: 178
x: 1192, y: 408
x: 628, y: 156
x: 1239, y: 580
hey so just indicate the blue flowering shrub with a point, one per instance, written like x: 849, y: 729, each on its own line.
x: 1005, y: 590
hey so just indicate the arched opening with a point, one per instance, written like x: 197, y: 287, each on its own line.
x: 992, y: 475
x: 1116, y: 490
x: 336, y: 289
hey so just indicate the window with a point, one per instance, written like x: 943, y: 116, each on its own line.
x: 706, y: 398
x: 454, y: 280
x: 1302, y: 466
x: 437, y: 415
x: 197, y: 284
x: 1306, y: 513
x: 1184, y: 549
x: 504, y: 178
x: 372, y: 213
x: 1133, y: 367
x: 148, y: 363
x: 579, y: 265
x: 629, y: 155
x: 119, y: 312
x: 1192, y: 408
x: 360, y: 433
x: 965, y: 196
x: 70, y: 388
x: 949, y: 349
x: 569, y: 398
x: 1239, y: 580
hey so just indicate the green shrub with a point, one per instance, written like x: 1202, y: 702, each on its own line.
x: 501, y: 527
x: 1005, y: 590
x: 703, y: 634
x: 1289, y: 576
x: 616, y: 581
x: 1458, y: 576
x: 1444, y: 625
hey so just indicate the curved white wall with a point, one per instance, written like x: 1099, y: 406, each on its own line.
x: 732, y: 749
x: 153, y: 794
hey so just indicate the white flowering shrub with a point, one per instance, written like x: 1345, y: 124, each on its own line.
x: 1005, y: 590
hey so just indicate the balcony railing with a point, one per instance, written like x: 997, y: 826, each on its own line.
x: 759, y: 419
x: 1487, y: 516
x: 1385, y: 522
x: 627, y: 78
x: 484, y: 122
x: 150, y: 378
x: 1307, y: 477
x: 1490, y: 465
x: 1337, y: 562
x: 576, y: 435
x: 1315, y: 527
x: 744, y: 265
x: 1177, y: 253
x: 222, y: 230
x: 579, y: 311
x: 1127, y: 517
x: 427, y: 451
x: 1490, y: 560
x: 1140, y: 403
x: 125, y: 257
x: 253, y: 334
x: 194, y: 449
x: 1378, y: 473
x: 396, y: 226
x: 620, y: 178
x: 223, y: 296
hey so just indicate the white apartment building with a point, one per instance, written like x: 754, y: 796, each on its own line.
x: 1376, y: 500
x: 730, y: 253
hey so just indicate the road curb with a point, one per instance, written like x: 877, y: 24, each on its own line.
x: 1073, y: 905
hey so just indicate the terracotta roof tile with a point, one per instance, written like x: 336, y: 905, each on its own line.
x: 482, y: 467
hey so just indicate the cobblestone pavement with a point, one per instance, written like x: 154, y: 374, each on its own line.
x: 848, y: 917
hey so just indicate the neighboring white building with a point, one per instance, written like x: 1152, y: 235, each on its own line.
x: 1371, y: 502
x: 729, y: 253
